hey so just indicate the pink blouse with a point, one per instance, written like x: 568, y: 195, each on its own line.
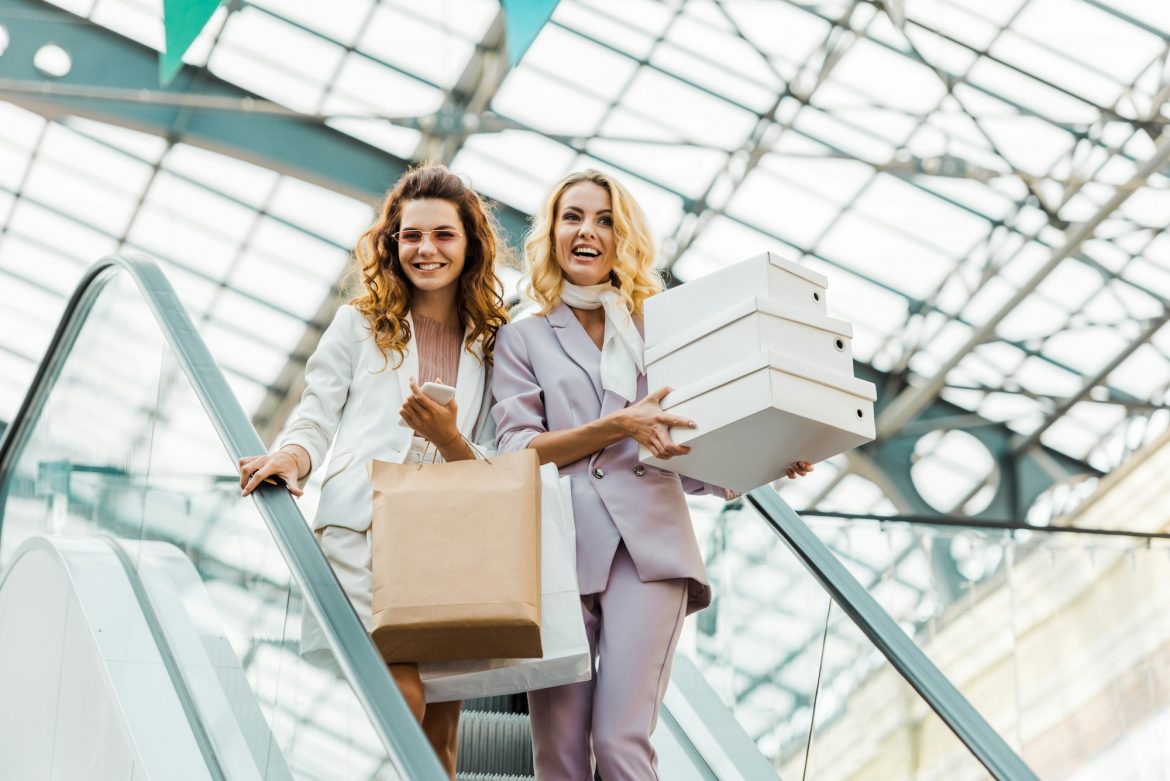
x: 438, y: 350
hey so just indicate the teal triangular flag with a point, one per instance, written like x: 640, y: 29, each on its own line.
x: 522, y: 21
x: 183, y: 20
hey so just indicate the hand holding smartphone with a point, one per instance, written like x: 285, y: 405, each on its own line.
x: 436, y: 392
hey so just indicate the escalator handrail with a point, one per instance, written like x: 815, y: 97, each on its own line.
x: 359, y: 660
x: 902, y: 652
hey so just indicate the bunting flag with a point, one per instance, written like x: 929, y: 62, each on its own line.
x: 522, y: 21
x: 183, y: 20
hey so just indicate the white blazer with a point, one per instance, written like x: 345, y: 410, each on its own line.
x: 352, y: 398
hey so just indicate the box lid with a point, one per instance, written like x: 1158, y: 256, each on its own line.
x: 807, y: 274
x: 779, y: 361
x: 743, y: 309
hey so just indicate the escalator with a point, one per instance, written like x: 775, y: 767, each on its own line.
x: 114, y: 666
x: 125, y: 447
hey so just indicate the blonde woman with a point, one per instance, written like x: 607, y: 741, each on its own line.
x: 570, y: 383
x: 429, y: 309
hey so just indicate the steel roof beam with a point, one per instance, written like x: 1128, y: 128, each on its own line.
x: 915, y: 399
x: 471, y: 95
x: 191, y: 109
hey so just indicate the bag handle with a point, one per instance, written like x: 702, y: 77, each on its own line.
x: 479, y: 454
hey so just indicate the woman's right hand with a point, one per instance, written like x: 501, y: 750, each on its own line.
x: 648, y: 425
x: 281, y: 464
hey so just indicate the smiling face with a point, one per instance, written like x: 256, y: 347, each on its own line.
x: 433, y: 263
x: 583, y: 234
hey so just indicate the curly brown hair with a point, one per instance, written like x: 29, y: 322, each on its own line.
x: 387, y: 293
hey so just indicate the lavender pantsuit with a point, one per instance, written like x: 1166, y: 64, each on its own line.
x: 638, y: 563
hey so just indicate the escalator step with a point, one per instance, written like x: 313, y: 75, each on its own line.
x: 495, y: 743
x: 492, y: 777
x: 504, y: 703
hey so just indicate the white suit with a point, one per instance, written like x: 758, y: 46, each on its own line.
x: 352, y: 397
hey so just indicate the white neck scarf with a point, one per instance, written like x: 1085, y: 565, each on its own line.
x: 621, y: 346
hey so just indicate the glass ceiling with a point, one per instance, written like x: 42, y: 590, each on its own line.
x: 932, y: 173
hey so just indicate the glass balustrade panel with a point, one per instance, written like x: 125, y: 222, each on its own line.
x: 813, y: 692
x: 123, y: 449
x: 1061, y: 641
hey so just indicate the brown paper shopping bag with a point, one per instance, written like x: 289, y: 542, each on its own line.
x: 456, y: 559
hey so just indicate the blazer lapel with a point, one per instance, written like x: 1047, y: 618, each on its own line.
x: 408, y: 369
x: 469, y: 386
x: 577, y: 344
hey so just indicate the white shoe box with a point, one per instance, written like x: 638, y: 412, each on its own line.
x: 746, y: 330
x: 792, y: 287
x: 755, y: 418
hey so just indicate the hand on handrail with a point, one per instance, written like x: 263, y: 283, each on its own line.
x: 279, y: 468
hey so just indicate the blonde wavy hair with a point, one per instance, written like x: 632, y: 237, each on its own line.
x: 386, y: 293
x: 633, y: 266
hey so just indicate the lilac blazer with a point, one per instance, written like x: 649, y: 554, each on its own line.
x: 547, y: 378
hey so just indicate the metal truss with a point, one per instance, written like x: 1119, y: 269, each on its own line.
x: 115, y: 80
x: 201, y: 109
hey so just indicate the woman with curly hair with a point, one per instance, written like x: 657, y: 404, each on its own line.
x: 429, y: 309
x: 571, y: 383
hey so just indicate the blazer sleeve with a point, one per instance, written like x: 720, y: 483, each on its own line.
x: 692, y: 486
x: 519, y: 407
x: 328, y: 374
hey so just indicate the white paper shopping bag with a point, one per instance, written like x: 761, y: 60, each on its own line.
x: 562, y: 627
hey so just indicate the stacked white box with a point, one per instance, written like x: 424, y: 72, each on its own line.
x: 792, y: 287
x: 749, y: 328
x: 753, y: 358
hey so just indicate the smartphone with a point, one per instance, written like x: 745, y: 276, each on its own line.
x: 438, y: 392
x: 435, y: 391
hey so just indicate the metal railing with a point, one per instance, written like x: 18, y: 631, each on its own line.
x: 359, y: 660
x: 984, y: 743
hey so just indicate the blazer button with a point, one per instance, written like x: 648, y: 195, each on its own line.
x: 639, y: 470
x: 599, y: 473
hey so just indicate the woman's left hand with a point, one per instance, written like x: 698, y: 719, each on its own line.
x: 798, y: 469
x: 430, y: 419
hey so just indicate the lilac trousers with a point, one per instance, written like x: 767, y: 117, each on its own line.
x: 633, y: 628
